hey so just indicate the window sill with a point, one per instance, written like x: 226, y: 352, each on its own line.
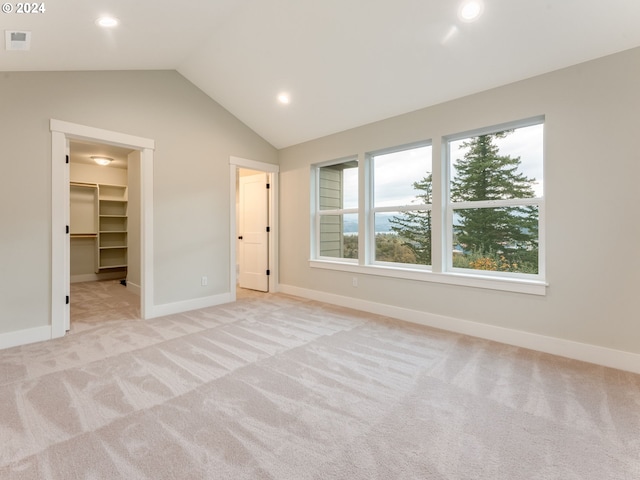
x: 518, y: 285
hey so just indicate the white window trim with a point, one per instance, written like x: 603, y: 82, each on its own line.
x: 517, y: 285
x: 316, y: 213
x: 447, y: 230
x: 371, y: 209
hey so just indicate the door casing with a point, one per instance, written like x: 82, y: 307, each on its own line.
x: 272, y: 170
x: 61, y: 133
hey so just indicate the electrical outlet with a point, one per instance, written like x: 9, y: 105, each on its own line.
x: 354, y: 281
x: 204, y: 281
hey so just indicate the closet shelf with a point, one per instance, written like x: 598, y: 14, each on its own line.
x: 82, y: 184
x: 99, y: 211
x: 112, y: 227
x: 112, y: 200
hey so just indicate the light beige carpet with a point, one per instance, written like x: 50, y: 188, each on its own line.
x: 95, y: 302
x: 275, y: 387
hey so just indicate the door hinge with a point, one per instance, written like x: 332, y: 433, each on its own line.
x: 268, y: 272
x: 268, y: 229
x: 67, y: 229
x: 67, y: 158
x: 268, y: 186
x: 67, y: 300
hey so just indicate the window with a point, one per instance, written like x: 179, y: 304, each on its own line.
x: 495, y: 195
x: 473, y: 215
x: 337, y: 210
x: 401, y: 212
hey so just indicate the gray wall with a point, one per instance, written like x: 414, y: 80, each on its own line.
x: 592, y: 167
x: 194, y: 139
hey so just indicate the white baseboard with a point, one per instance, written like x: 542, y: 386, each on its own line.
x: 604, y: 356
x: 94, y: 277
x: 187, y: 305
x: 23, y: 337
x: 134, y: 288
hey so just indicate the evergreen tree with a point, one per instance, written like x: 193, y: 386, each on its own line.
x: 484, y: 174
x: 414, y: 228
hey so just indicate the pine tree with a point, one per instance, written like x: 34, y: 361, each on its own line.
x: 414, y: 228
x: 484, y: 174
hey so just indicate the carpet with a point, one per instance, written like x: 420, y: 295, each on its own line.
x: 277, y: 387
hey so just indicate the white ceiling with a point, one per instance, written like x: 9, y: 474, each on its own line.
x: 345, y: 63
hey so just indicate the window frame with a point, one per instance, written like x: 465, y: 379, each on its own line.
x: 371, y: 209
x: 450, y: 206
x: 441, y: 271
x: 318, y: 213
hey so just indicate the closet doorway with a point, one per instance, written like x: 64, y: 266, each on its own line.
x: 62, y: 134
x: 104, y: 243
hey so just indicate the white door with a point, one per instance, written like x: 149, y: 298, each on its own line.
x: 253, y: 236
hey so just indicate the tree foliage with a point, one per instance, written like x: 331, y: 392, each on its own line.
x: 391, y: 248
x: 414, y: 227
x: 483, y: 174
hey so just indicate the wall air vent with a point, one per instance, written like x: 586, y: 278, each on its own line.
x: 17, y: 40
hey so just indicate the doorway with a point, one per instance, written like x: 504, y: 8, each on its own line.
x: 104, y: 233
x: 62, y: 134
x: 253, y: 216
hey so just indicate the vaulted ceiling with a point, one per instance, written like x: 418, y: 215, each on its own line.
x: 344, y: 63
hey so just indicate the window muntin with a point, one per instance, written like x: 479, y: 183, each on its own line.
x: 401, y: 212
x: 337, y: 210
x: 495, y: 196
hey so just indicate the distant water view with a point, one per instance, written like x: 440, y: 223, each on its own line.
x: 382, y: 224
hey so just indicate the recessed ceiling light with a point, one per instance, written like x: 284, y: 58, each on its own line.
x: 470, y: 11
x: 284, y: 98
x: 107, y: 22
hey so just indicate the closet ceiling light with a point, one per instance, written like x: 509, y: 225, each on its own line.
x: 102, y: 160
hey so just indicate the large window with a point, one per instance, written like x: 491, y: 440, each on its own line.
x: 337, y: 210
x: 401, y: 211
x: 471, y: 215
x: 495, y: 195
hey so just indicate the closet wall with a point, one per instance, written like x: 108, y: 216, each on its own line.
x: 85, y: 223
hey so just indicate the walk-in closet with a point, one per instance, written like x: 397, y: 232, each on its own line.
x: 101, y: 224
